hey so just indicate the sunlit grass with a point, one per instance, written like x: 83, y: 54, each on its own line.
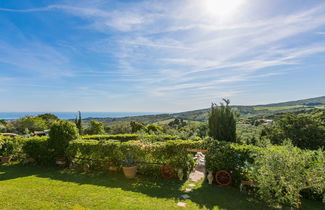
x: 32, y: 187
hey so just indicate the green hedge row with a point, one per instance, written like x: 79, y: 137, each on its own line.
x: 149, y: 157
x: 20, y: 147
x: 130, y: 137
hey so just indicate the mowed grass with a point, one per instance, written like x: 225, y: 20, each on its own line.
x: 33, y: 187
x: 276, y: 108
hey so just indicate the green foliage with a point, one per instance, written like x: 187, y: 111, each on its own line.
x: 7, y: 147
x: 137, y: 126
x: 129, y: 160
x: 31, y: 123
x: 120, y: 128
x: 95, y: 128
x: 282, y: 172
x: 38, y: 148
x: 11, y: 146
x: 152, y: 128
x: 61, y: 133
x: 307, y: 131
x: 170, y: 152
x: 222, y: 123
x: 231, y: 157
x: 177, y: 123
x: 129, y: 137
x: 49, y: 118
x: 248, y: 134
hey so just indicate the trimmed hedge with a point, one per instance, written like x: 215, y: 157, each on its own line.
x: 130, y: 137
x: 150, y: 157
x: 38, y: 148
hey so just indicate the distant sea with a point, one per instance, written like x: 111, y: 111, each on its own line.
x: 72, y: 115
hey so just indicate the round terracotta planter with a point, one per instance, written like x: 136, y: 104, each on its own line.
x: 130, y: 172
x: 6, y: 159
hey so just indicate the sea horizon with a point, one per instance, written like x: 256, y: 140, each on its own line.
x: 73, y: 115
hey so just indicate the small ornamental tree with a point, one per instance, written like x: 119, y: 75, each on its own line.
x: 95, y: 128
x: 61, y: 133
x: 222, y: 122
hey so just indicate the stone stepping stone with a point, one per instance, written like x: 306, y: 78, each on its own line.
x: 186, y: 196
x: 188, y: 190
x: 191, y: 185
x: 181, y: 204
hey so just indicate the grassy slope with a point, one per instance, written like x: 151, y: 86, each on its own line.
x: 31, y: 187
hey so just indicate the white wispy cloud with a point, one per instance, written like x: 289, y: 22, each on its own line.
x: 173, y: 49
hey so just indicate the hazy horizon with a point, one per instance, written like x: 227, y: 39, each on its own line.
x: 158, y: 56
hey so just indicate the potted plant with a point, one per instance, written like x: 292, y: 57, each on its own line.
x: 6, y: 151
x: 129, y: 168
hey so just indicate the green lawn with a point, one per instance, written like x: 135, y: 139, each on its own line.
x: 32, y: 187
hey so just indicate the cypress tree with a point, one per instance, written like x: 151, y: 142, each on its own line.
x: 222, y: 122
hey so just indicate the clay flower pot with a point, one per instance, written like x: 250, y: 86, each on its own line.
x: 180, y: 174
x: 210, y: 177
x: 130, y: 172
x: 6, y: 159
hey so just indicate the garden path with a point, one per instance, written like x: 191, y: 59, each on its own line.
x: 195, y: 176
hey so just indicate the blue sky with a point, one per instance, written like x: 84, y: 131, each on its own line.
x: 158, y: 56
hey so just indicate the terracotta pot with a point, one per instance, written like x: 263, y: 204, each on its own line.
x: 6, y: 159
x: 180, y: 174
x: 130, y: 172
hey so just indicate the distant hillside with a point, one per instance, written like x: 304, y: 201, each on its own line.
x: 307, y: 102
x: 256, y: 111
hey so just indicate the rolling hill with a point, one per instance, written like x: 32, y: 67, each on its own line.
x: 254, y: 111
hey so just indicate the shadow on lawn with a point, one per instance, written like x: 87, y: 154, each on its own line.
x: 206, y: 196
x: 152, y: 187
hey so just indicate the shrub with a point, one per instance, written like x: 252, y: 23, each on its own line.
x: 95, y: 128
x: 61, y: 133
x: 152, y: 128
x: 231, y: 157
x: 30, y: 124
x: 137, y: 126
x: 284, y: 171
x: 10, y: 146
